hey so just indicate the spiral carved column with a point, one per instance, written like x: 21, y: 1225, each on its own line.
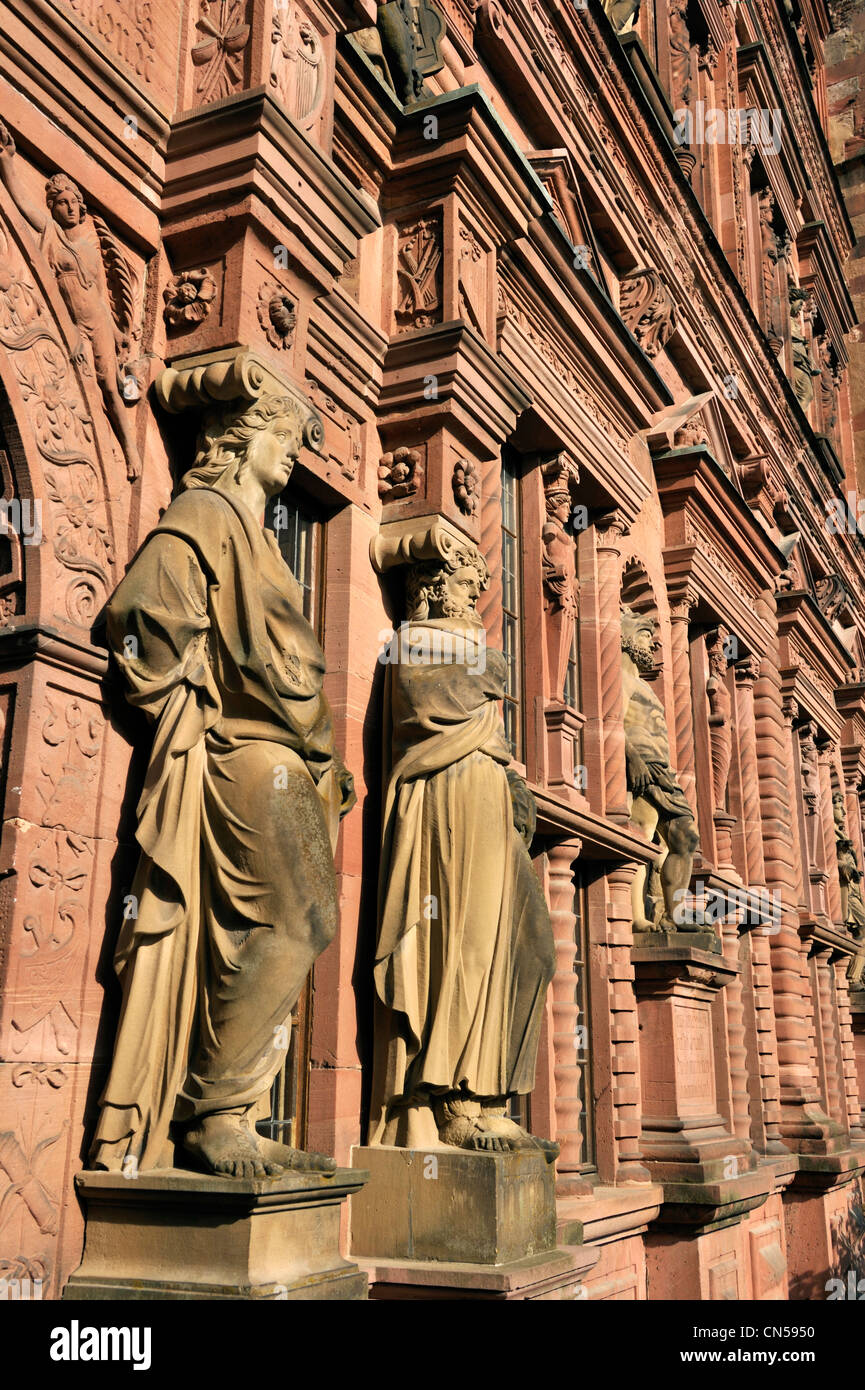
x: 853, y: 1102
x: 569, y: 1030
x: 490, y: 601
x: 681, y: 607
x: 609, y: 530
x: 733, y: 1004
x: 752, y: 829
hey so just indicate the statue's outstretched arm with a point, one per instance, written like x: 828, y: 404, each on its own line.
x: 35, y: 216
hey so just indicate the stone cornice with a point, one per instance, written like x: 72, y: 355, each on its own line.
x: 245, y: 147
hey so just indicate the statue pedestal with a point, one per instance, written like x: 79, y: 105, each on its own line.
x: 172, y: 1234
x: 448, y: 1223
x: 684, y: 1138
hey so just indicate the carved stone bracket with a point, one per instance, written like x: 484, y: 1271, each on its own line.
x: 239, y: 374
x: 416, y: 539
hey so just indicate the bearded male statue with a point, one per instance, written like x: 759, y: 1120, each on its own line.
x: 465, y: 948
x: 658, y: 802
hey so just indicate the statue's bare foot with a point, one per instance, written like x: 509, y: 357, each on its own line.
x: 496, y: 1122
x: 466, y: 1132
x: 643, y: 924
x: 296, y: 1159
x: 224, y: 1144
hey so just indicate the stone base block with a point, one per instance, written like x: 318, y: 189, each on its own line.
x: 449, y: 1224
x: 179, y: 1235
x: 452, y: 1205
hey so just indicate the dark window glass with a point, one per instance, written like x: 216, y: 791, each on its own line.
x: 300, y: 536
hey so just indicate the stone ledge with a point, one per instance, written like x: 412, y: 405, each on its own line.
x: 555, y: 1277
x: 609, y: 1212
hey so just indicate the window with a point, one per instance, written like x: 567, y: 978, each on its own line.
x: 511, y: 600
x: 301, y: 541
x: 571, y: 692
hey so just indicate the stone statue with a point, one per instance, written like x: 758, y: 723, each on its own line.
x: 94, y: 280
x: 804, y: 371
x: 405, y: 45
x: 849, y: 873
x: 658, y: 802
x: 720, y: 717
x: 465, y: 947
x: 235, y: 894
x: 622, y: 14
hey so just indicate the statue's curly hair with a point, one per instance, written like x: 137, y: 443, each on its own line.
x: 426, y: 581
x: 225, y: 438
x: 61, y: 183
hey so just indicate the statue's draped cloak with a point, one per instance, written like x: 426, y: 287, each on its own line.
x: 465, y: 949
x: 208, y: 629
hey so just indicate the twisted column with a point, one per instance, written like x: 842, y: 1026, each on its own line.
x: 852, y: 1101
x: 752, y: 828
x: 490, y: 601
x: 681, y: 608
x: 733, y: 1004
x: 567, y: 1040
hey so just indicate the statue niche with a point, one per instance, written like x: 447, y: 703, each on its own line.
x: 96, y: 284
x: 465, y: 948
x: 658, y: 804
x: 235, y: 889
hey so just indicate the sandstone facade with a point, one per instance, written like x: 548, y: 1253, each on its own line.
x: 582, y: 301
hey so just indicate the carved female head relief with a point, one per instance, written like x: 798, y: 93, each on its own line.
x: 64, y: 201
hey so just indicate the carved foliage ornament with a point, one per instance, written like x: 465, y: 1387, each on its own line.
x: 467, y: 486
x: 188, y: 297
x: 647, y: 307
x: 277, y: 314
x: 399, y: 474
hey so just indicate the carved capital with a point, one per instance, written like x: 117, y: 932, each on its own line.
x: 230, y: 377
x: 420, y: 539
x: 610, y: 528
x: 747, y: 671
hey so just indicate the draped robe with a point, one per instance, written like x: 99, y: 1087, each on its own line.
x: 465, y: 948
x: 235, y: 888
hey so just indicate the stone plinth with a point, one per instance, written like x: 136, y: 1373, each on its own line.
x: 177, y: 1235
x: 447, y: 1223
x: 684, y: 1138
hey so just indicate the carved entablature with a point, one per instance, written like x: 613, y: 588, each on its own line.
x: 697, y: 502
x: 647, y: 307
x: 812, y: 660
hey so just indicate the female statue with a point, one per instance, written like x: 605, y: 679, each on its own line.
x: 235, y: 889
x: 465, y: 950
x: 79, y: 250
